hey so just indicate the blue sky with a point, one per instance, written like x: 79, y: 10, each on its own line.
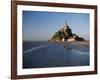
x: 40, y: 26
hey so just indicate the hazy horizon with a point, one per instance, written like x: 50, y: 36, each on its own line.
x: 40, y: 26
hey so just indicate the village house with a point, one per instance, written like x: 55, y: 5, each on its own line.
x: 71, y: 39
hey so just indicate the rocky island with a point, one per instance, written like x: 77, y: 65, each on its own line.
x: 65, y: 34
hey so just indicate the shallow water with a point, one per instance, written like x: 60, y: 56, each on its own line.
x: 54, y: 55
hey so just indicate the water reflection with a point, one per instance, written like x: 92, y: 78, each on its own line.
x: 55, y: 55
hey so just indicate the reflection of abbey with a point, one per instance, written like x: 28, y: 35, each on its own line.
x: 65, y: 34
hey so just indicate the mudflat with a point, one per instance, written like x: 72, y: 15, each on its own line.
x: 56, y: 54
x: 77, y: 45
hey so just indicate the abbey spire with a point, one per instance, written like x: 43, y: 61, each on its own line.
x: 66, y: 25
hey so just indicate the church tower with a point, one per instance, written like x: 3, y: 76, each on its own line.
x: 66, y: 26
x: 67, y: 30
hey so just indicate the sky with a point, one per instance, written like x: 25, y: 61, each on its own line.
x: 40, y: 25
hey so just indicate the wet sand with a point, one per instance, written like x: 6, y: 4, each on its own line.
x: 57, y: 54
x: 77, y: 45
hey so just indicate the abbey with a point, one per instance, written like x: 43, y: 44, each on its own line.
x: 65, y: 34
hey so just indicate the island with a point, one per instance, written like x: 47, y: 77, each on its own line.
x: 65, y: 34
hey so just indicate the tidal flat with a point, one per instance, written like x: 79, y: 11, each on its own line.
x: 44, y: 54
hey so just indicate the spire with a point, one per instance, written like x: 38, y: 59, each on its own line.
x: 66, y: 25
